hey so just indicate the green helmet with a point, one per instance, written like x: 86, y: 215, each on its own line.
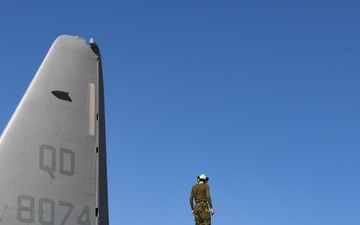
x: 202, y: 177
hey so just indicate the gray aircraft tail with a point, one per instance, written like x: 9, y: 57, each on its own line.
x: 53, y: 152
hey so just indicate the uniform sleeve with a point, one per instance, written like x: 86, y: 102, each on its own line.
x: 191, y: 199
x: 208, y: 196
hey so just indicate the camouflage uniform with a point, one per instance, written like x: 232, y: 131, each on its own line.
x: 201, y: 193
x: 202, y: 214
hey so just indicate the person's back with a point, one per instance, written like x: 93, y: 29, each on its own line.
x: 201, y: 193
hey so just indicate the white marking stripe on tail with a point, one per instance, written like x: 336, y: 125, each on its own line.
x: 92, y: 110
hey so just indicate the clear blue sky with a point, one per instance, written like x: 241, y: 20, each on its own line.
x: 262, y: 96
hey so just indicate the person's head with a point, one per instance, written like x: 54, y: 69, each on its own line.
x: 202, y: 177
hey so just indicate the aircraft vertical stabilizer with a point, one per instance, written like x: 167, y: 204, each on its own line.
x: 52, y: 152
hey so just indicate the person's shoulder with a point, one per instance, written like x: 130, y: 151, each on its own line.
x: 206, y: 186
x: 195, y: 185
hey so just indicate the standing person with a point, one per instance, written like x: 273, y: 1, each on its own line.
x: 201, y: 193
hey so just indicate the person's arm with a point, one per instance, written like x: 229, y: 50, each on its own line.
x: 191, y: 201
x: 209, y: 200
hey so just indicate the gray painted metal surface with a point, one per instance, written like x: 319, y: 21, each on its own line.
x: 52, y: 152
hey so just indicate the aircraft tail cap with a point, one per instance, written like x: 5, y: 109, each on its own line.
x: 93, y: 43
